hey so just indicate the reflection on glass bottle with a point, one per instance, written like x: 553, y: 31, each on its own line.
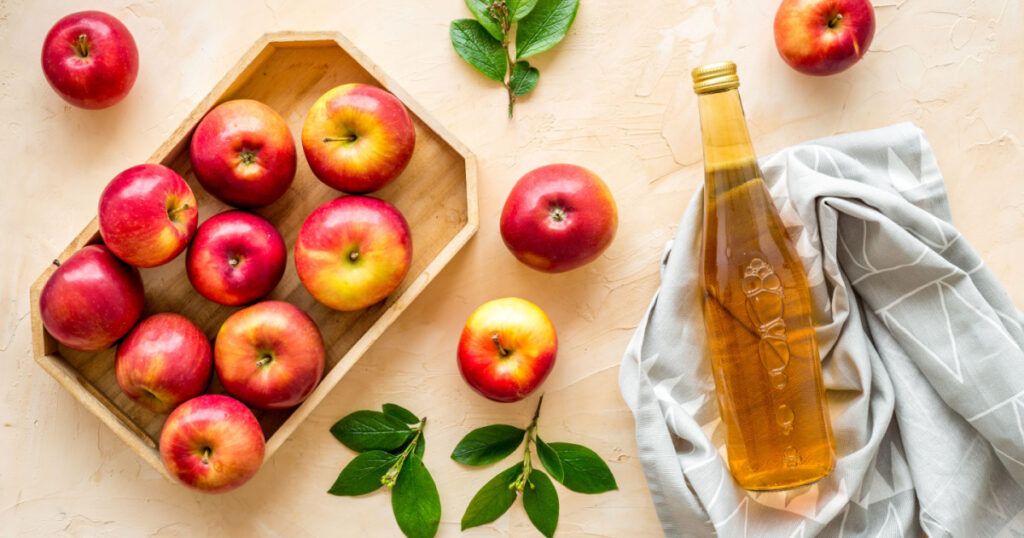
x: 757, y: 308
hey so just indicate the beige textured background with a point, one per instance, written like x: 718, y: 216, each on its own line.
x: 614, y: 97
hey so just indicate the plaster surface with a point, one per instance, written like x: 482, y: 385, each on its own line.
x: 614, y: 97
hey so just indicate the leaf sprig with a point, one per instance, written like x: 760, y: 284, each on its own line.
x: 575, y: 466
x: 486, y: 42
x: 391, y: 447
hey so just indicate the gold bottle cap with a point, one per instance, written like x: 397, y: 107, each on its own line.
x: 715, y: 78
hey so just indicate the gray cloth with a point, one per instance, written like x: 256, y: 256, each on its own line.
x: 921, y: 354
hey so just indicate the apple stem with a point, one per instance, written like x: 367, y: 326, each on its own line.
x: 264, y: 360
x: 835, y: 20
x: 206, y: 455
x: 353, y: 256
x: 501, y: 349
x: 82, y: 46
x: 56, y: 262
x: 173, y: 214
x: 349, y: 138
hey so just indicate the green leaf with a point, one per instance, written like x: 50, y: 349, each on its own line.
x: 421, y: 447
x: 493, y: 499
x: 545, y: 26
x: 550, y: 460
x: 370, y: 430
x: 478, y: 48
x: 520, y: 8
x: 489, y: 444
x: 585, y: 471
x: 415, y: 501
x: 524, y: 78
x: 541, y: 503
x: 400, y: 413
x: 479, y: 10
x: 362, y: 475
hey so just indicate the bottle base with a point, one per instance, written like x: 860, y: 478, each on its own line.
x: 782, y: 480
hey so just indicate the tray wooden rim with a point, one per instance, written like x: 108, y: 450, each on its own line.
x: 45, y: 347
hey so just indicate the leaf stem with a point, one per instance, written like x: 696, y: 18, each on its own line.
x: 391, y: 476
x: 531, y: 434
x: 501, y: 13
x: 508, y: 78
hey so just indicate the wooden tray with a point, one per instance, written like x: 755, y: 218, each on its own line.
x: 436, y: 193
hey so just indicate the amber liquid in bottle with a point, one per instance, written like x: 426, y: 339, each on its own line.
x: 757, y: 308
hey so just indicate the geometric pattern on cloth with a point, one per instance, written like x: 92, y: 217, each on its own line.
x: 921, y: 355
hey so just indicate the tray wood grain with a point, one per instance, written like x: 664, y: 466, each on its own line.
x: 436, y: 193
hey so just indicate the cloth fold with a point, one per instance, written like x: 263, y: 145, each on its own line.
x: 921, y: 354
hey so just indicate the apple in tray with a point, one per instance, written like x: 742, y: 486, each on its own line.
x: 242, y: 152
x: 236, y: 258
x: 90, y: 59
x: 353, y: 252
x: 358, y: 138
x: 148, y: 215
x: 212, y: 443
x: 823, y: 37
x: 507, y: 349
x: 165, y: 360
x: 91, y: 300
x: 559, y: 217
x: 269, y: 355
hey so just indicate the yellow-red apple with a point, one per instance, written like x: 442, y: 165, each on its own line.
x: 353, y: 252
x: 148, y: 215
x: 90, y: 59
x: 165, y: 360
x: 236, y: 258
x: 243, y: 153
x: 507, y: 349
x: 822, y: 37
x: 269, y: 355
x: 212, y: 443
x: 559, y: 217
x: 358, y: 138
x: 91, y: 300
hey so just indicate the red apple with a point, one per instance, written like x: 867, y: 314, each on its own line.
x: 269, y: 355
x: 90, y: 59
x: 91, y: 300
x: 165, y: 360
x: 559, y: 217
x: 212, y: 443
x: 243, y: 153
x: 148, y: 215
x: 357, y: 138
x: 236, y: 258
x: 822, y: 37
x: 507, y: 349
x: 353, y: 252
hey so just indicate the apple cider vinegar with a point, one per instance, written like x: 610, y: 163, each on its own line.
x: 757, y: 308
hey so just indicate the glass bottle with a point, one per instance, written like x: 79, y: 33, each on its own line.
x: 757, y: 308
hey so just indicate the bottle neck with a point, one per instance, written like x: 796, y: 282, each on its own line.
x: 724, y: 132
